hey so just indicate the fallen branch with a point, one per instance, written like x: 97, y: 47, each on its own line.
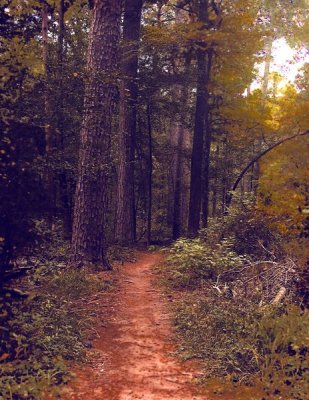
x: 279, y: 296
x: 15, y: 292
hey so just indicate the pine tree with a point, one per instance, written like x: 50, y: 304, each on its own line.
x: 199, y: 128
x: 88, y: 241
x: 125, y: 217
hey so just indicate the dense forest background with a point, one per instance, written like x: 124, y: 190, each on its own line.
x: 149, y: 122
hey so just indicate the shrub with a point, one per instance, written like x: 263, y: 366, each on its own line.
x: 282, y: 341
x: 218, y: 332
x: 120, y: 254
x: 72, y: 284
x: 30, y: 344
x: 253, y: 235
x: 234, y: 321
x: 28, y: 379
x: 191, y: 261
x: 250, y: 229
x: 40, y: 333
x: 242, y: 343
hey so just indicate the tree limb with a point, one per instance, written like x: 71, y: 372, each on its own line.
x: 257, y: 158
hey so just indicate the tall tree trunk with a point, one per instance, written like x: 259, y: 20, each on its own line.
x: 179, y: 138
x: 268, y: 50
x: 125, y: 215
x: 172, y: 167
x: 88, y: 241
x: 149, y: 177
x: 224, y: 179
x: 185, y: 179
x: 214, y: 198
x: 179, y: 174
x: 198, y: 136
x: 49, y: 135
x: 64, y: 190
x: 208, y: 139
x: 215, y: 186
x: 177, y: 134
x: 60, y: 55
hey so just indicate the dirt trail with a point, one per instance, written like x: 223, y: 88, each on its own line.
x: 137, y: 346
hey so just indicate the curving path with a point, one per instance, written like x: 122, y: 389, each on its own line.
x: 136, y: 346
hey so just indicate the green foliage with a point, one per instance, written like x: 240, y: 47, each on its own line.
x: 229, y: 321
x: 193, y: 260
x: 31, y: 347
x: 283, y: 344
x: 253, y: 235
x: 28, y: 379
x: 50, y: 243
x: 41, y: 332
x: 49, y: 324
x: 154, y: 247
x: 249, y: 230
x: 218, y: 332
x: 74, y: 284
x: 242, y: 343
x: 120, y: 254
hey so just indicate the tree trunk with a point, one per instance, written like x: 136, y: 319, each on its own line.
x: 179, y: 138
x: 125, y: 216
x: 49, y: 136
x: 268, y: 50
x: 88, y: 241
x: 149, y: 180
x: 179, y: 173
x: 215, y: 185
x: 63, y: 181
x: 185, y: 179
x: 224, y: 179
x: 198, y: 136
x: 208, y: 139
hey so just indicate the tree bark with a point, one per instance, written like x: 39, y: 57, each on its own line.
x: 176, y: 178
x: 149, y: 177
x: 179, y: 139
x: 125, y: 215
x: 215, y: 186
x: 198, y: 136
x: 88, y: 241
x: 179, y: 171
x: 225, y: 175
x: 63, y: 181
x: 268, y: 50
x: 208, y: 140
x: 49, y: 134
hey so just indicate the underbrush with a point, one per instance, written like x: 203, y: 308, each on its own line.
x: 41, y: 332
x: 216, y: 331
x: 246, y: 345
x: 193, y: 261
x: 242, y: 317
x: 121, y: 254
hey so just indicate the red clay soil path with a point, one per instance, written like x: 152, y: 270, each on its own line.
x: 137, y: 345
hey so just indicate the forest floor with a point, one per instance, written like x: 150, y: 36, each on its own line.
x: 133, y: 344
